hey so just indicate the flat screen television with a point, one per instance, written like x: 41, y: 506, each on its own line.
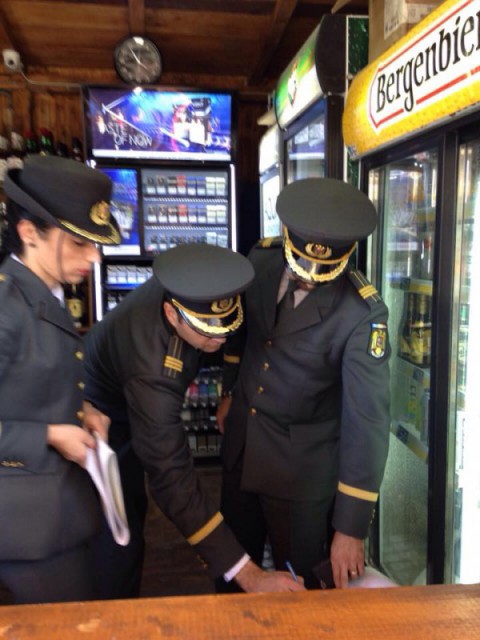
x: 124, y: 206
x: 150, y: 124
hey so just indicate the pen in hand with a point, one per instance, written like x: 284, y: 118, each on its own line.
x: 292, y: 572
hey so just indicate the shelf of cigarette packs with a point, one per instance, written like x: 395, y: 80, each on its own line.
x: 198, y: 413
x: 170, y: 224
x: 184, y: 208
x: 121, y: 278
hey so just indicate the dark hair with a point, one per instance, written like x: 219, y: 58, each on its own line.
x: 10, y: 241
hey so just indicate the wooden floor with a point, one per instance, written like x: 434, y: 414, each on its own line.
x: 171, y: 566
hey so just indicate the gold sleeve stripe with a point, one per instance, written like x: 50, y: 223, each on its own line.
x: 206, y: 530
x: 361, y: 494
x: 173, y: 363
x: 232, y: 359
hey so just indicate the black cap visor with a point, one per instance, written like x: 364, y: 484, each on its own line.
x: 100, y: 227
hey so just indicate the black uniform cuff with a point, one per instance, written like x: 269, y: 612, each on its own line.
x: 220, y: 551
x: 353, y: 516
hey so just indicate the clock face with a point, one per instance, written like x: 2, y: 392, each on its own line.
x: 137, y: 61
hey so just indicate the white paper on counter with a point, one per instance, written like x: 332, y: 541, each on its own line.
x: 371, y: 579
x: 102, y: 465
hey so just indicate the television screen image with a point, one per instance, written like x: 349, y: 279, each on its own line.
x: 152, y: 124
x: 124, y: 206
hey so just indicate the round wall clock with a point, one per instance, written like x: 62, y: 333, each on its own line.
x: 137, y: 60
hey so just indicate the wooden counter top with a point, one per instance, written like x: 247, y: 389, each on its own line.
x: 406, y: 613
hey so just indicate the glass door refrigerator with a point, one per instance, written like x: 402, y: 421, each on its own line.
x: 169, y: 155
x: 310, y: 94
x: 269, y: 168
x: 419, y: 144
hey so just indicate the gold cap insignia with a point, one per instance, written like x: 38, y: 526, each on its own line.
x: 221, y: 306
x: 318, y: 250
x: 100, y: 213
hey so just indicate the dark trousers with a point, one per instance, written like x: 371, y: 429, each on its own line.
x: 298, y: 531
x: 118, y: 569
x: 64, y: 577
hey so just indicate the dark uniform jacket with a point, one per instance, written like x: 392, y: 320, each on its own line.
x: 138, y: 373
x: 47, y: 504
x: 310, y: 409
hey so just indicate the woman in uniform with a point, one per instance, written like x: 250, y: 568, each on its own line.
x: 57, y: 211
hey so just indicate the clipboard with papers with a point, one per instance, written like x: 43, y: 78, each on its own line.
x: 102, y: 465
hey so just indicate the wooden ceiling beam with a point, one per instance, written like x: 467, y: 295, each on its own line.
x: 136, y: 17
x: 74, y: 77
x: 281, y: 16
x: 6, y: 41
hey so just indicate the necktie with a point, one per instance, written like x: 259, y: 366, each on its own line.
x: 287, y: 303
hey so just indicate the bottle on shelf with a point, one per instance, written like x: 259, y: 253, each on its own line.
x: 421, y: 331
x: 77, y: 150
x: 203, y: 392
x: 427, y: 336
x: 31, y: 143
x: 61, y: 150
x: 404, y: 346
x: 425, y: 258
x: 46, y: 143
x: 193, y: 393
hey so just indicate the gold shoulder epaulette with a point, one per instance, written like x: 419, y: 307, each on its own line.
x: 364, y: 287
x: 2, y: 277
x: 173, y: 363
x: 270, y: 243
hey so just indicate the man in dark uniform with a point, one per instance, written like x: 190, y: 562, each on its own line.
x: 306, y: 393
x: 139, y: 362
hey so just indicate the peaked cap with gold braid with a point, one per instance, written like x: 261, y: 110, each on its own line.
x: 66, y: 194
x: 323, y: 220
x: 204, y: 283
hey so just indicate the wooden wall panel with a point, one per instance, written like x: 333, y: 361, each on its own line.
x: 60, y: 112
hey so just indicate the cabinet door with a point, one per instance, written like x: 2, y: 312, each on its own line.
x: 463, y: 517
x: 404, y: 193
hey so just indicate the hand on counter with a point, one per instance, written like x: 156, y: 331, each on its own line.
x: 253, y: 579
x: 347, y: 557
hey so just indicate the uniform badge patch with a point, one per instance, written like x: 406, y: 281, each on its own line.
x: 378, y: 340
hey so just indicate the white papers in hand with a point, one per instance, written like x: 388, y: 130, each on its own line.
x: 102, y: 466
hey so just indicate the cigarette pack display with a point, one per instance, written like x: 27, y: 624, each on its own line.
x: 191, y: 206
